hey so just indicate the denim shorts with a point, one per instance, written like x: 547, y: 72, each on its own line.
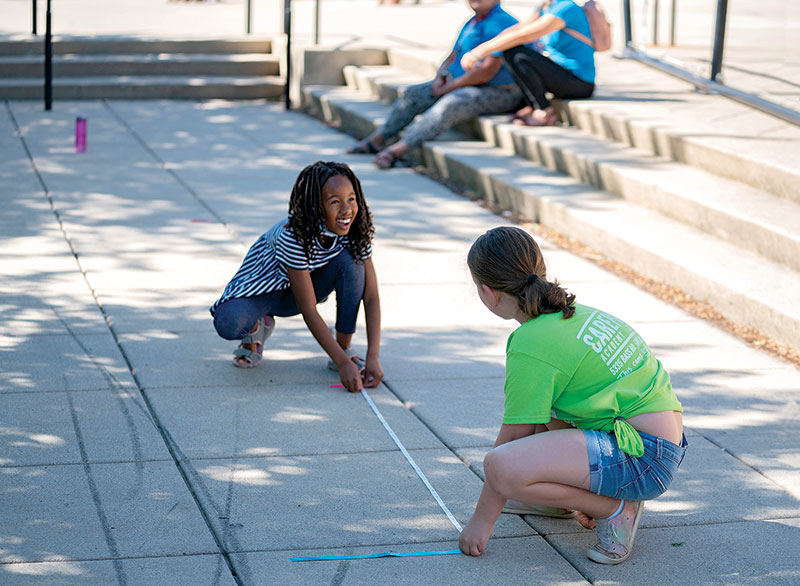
x: 619, y: 475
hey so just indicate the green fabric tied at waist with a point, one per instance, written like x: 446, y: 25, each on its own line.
x: 628, y: 438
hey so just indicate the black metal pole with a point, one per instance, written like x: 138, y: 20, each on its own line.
x: 248, y: 16
x: 34, y: 17
x: 626, y: 19
x: 287, y: 30
x: 719, y: 39
x: 48, y: 60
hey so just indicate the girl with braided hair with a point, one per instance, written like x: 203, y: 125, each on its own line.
x: 590, y: 422
x: 324, y: 245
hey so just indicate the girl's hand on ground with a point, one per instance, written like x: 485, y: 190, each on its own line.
x: 350, y: 376
x: 372, y: 374
x: 473, y: 538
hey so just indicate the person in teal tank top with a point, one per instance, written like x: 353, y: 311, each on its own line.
x: 590, y: 422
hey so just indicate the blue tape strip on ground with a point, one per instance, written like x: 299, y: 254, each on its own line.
x: 387, y: 554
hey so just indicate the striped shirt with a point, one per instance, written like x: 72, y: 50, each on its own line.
x: 264, y: 268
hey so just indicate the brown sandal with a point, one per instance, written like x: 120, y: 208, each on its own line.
x: 364, y: 147
x: 385, y: 159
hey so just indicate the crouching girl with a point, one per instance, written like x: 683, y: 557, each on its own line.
x: 591, y: 422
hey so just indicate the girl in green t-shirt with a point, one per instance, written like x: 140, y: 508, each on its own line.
x: 614, y: 427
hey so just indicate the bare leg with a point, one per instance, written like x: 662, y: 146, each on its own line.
x: 343, y: 340
x: 550, y: 469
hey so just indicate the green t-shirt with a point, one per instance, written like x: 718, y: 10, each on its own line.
x: 591, y: 370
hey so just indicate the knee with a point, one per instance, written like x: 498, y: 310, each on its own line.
x: 415, y: 92
x: 229, y: 325
x: 498, y: 471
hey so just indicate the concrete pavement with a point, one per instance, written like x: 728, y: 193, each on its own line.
x: 134, y: 453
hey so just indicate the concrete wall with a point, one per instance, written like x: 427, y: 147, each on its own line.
x: 323, y: 66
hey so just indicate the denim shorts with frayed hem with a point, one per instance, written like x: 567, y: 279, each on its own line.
x: 619, y: 475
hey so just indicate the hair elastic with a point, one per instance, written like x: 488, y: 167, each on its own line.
x: 531, y: 278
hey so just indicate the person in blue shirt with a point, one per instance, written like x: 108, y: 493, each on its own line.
x: 455, y: 95
x: 556, y: 61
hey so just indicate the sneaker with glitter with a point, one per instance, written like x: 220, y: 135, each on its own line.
x: 615, y: 535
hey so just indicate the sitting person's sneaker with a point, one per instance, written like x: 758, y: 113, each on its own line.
x: 615, y: 534
x: 519, y: 508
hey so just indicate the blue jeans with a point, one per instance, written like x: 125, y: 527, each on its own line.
x: 619, y: 475
x: 234, y: 318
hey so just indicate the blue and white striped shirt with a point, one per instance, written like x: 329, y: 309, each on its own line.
x: 264, y: 268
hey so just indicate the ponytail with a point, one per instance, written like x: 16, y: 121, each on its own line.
x: 508, y: 259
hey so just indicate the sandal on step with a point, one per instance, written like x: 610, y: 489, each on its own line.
x: 350, y: 354
x: 385, y: 159
x: 550, y: 119
x: 519, y: 508
x: 263, y: 330
x: 364, y: 147
x: 521, y: 113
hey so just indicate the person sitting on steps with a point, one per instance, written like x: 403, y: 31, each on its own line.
x: 453, y: 96
x: 559, y: 62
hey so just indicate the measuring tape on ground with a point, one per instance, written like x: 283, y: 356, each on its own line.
x: 422, y: 477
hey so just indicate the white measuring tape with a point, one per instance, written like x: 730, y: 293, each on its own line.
x: 411, y: 460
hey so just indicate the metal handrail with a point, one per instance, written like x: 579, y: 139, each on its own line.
x: 714, y: 83
x: 48, y: 59
x: 287, y: 30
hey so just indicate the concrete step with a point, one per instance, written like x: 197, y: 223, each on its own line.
x: 147, y: 88
x: 714, y: 134
x: 118, y: 67
x: 117, y: 45
x: 92, y: 65
x: 742, y: 284
x: 727, y: 209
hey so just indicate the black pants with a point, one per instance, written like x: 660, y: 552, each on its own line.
x: 536, y: 74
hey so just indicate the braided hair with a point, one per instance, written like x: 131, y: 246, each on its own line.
x: 307, y: 215
x: 508, y: 259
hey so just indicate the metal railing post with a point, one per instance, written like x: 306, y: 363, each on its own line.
x: 287, y: 30
x: 248, y: 16
x: 655, y: 22
x: 34, y: 17
x: 316, y: 22
x: 672, y: 24
x: 48, y: 60
x: 719, y: 39
x: 626, y: 20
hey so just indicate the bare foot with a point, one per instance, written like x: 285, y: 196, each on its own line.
x: 523, y: 112
x: 585, y: 520
x: 546, y: 117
